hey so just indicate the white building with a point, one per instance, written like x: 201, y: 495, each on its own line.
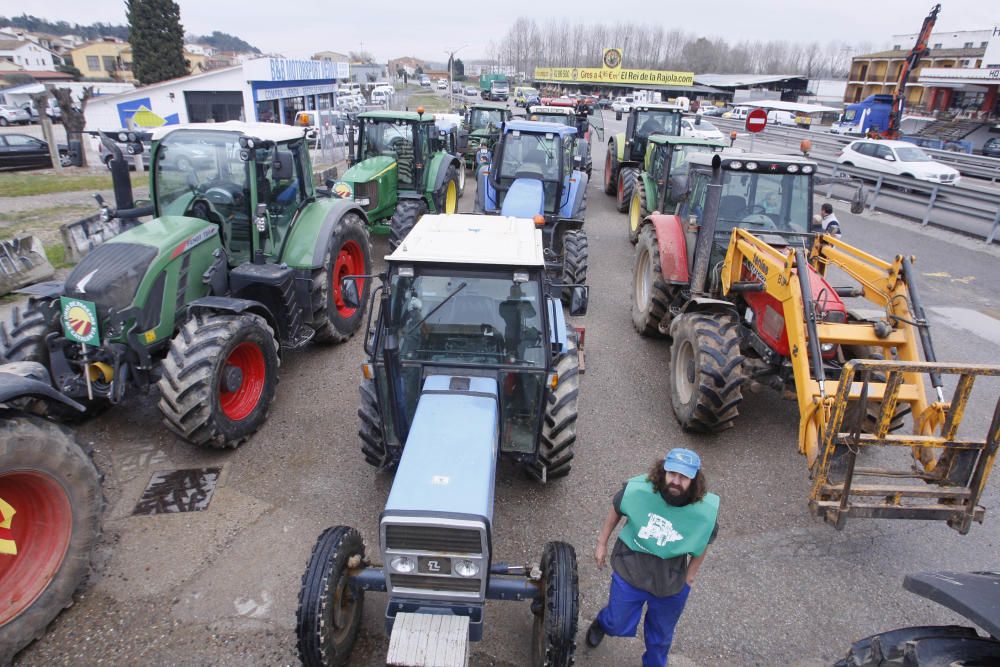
x: 960, y: 39
x: 265, y: 90
x: 18, y: 95
x: 28, y: 55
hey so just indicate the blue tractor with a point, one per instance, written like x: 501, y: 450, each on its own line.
x: 534, y: 172
x: 469, y: 361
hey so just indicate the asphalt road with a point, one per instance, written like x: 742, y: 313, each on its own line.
x: 778, y: 587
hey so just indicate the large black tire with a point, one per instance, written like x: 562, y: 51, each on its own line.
x: 372, y: 436
x: 706, y: 370
x: 627, y: 178
x: 23, y: 339
x: 638, y: 209
x: 42, y: 458
x: 575, y: 260
x: 461, y: 178
x: 404, y: 218
x: 329, y: 613
x: 553, y: 635
x: 441, y: 200
x: 611, y: 170
x: 191, y: 400
x: 555, y: 448
x: 651, y: 295
x: 348, y: 252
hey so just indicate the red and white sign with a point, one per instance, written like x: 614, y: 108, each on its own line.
x: 756, y: 120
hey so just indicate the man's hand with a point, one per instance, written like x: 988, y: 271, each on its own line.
x: 601, y: 554
x: 690, y: 580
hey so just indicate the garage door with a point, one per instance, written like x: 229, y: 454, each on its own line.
x: 219, y: 107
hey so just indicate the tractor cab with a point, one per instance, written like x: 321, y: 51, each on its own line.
x: 667, y: 161
x: 250, y: 181
x: 645, y: 120
x: 481, y: 125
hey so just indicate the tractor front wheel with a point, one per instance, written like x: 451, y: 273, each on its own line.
x: 610, y: 170
x: 447, y: 199
x: 408, y: 212
x: 575, y: 260
x: 638, y: 209
x: 219, y: 378
x: 627, y: 179
x: 348, y: 252
x: 555, y: 448
x: 329, y: 613
x: 706, y: 368
x: 557, y: 611
x: 651, y: 295
x: 50, y: 510
x: 372, y: 436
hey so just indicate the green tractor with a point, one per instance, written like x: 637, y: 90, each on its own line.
x: 399, y: 170
x: 627, y: 150
x: 482, y: 124
x: 243, y: 258
x: 664, y: 176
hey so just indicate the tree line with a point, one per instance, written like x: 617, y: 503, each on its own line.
x: 528, y: 44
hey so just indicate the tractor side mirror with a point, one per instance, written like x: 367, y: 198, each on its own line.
x: 578, y: 300
x: 618, y: 115
x: 349, y: 293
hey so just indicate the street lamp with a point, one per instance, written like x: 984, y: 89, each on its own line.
x: 451, y: 72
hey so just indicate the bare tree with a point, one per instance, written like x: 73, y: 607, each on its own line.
x: 72, y: 115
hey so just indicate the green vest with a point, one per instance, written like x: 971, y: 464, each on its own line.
x: 656, y: 527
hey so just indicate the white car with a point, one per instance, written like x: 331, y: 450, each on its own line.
x: 12, y: 115
x: 623, y: 104
x: 380, y: 97
x: 699, y: 128
x: 442, y: 84
x: 899, y: 158
x: 388, y: 87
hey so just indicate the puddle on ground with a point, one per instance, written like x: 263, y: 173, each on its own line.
x: 171, y: 491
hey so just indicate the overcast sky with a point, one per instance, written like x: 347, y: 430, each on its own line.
x: 394, y: 28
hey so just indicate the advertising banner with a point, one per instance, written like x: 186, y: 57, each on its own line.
x: 599, y: 75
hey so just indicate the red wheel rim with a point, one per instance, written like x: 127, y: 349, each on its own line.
x: 350, y: 262
x: 239, y: 403
x: 41, y: 526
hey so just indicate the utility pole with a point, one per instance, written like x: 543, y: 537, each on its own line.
x: 451, y: 73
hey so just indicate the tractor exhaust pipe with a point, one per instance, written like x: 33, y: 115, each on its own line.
x: 706, y: 236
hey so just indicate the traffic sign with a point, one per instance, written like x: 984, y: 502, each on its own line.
x: 756, y: 120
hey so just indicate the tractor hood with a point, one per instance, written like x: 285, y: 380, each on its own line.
x: 366, y: 170
x: 525, y: 199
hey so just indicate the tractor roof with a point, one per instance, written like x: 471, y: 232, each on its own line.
x: 548, y: 109
x: 665, y: 139
x: 766, y: 162
x: 655, y: 106
x: 538, y: 127
x: 276, y: 132
x: 462, y: 238
x: 397, y: 115
x: 492, y: 106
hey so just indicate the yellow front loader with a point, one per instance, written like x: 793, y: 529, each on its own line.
x: 864, y: 409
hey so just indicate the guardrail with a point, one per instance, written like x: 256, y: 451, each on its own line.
x: 977, y: 166
x: 955, y: 207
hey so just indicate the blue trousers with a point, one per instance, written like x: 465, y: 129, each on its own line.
x: 620, y: 618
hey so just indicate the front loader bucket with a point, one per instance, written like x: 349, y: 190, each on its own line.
x: 948, y: 475
x: 23, y: 262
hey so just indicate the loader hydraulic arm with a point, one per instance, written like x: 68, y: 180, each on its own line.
x: 918, y: 51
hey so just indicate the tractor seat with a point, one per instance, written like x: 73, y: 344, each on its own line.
x: 731, y: 207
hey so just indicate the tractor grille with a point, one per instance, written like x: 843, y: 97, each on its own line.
x: 433, y: 538
x: 370, y: 190
x: 442, y: 584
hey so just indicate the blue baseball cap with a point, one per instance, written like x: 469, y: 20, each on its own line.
x: 682, y: 461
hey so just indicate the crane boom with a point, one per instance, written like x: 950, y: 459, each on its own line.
x: 918, y: 51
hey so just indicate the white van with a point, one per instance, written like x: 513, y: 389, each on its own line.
x: 777, y: 117
x: 380, y: 97
x: 739, y: 113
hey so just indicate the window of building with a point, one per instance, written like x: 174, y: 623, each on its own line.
x: 982, y: 45
x: 93, y: 63
x: 897, y: 47
x: 110, y: 64
x: 967, y: 45
x: 937, y: 46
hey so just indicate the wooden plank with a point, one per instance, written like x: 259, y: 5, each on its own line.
x: 429, y: 640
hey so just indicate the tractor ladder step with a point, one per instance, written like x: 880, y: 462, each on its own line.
x: 429, y: 640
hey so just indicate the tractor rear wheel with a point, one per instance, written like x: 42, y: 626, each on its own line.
x: 461, y: 179
x: 372, y: 436
x: 575, y: 260
x: 651, y: 295
x: 50, y: 493
x: 348, y: 252
x: 447, y: 199
x: 627, y: 179
x: 555, y: 451
x: 638, y: 209
x: 23, y: 339
x: 219, y: 378
x: 610, y: 170
x: 408, y: 212
x: 706, y: 368
x: 329, y: 613
x: 553, y: 634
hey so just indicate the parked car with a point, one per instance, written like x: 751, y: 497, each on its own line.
x: 20, y: 151
x: 738, y: 113
x: 442, y: 84
x: 380, y: 98
x: 710, y: 110
x: 604, y: 103
x: 425, y: 82
x: 388, y: 87
x: 992, y: 147
x: 54, y: 112
x: 899, y: 158
x: 698, y: 128
x: 13, y: 116
x: 778, y: 117
x: 471, y: 91
x: 623, y: 104
x: 456, y: 87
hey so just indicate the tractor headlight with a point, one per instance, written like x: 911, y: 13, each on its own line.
x: 402, y: 564
x: 751, y: 166
x: 807, y: 169
x: 735, y: 164
x: 792, y: 168
x: 826, y: 347
x: 466, y: 568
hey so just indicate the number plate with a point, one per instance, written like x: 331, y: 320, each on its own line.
x: 433, y: 565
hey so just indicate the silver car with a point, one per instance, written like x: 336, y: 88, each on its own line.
x: 11, y: 115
